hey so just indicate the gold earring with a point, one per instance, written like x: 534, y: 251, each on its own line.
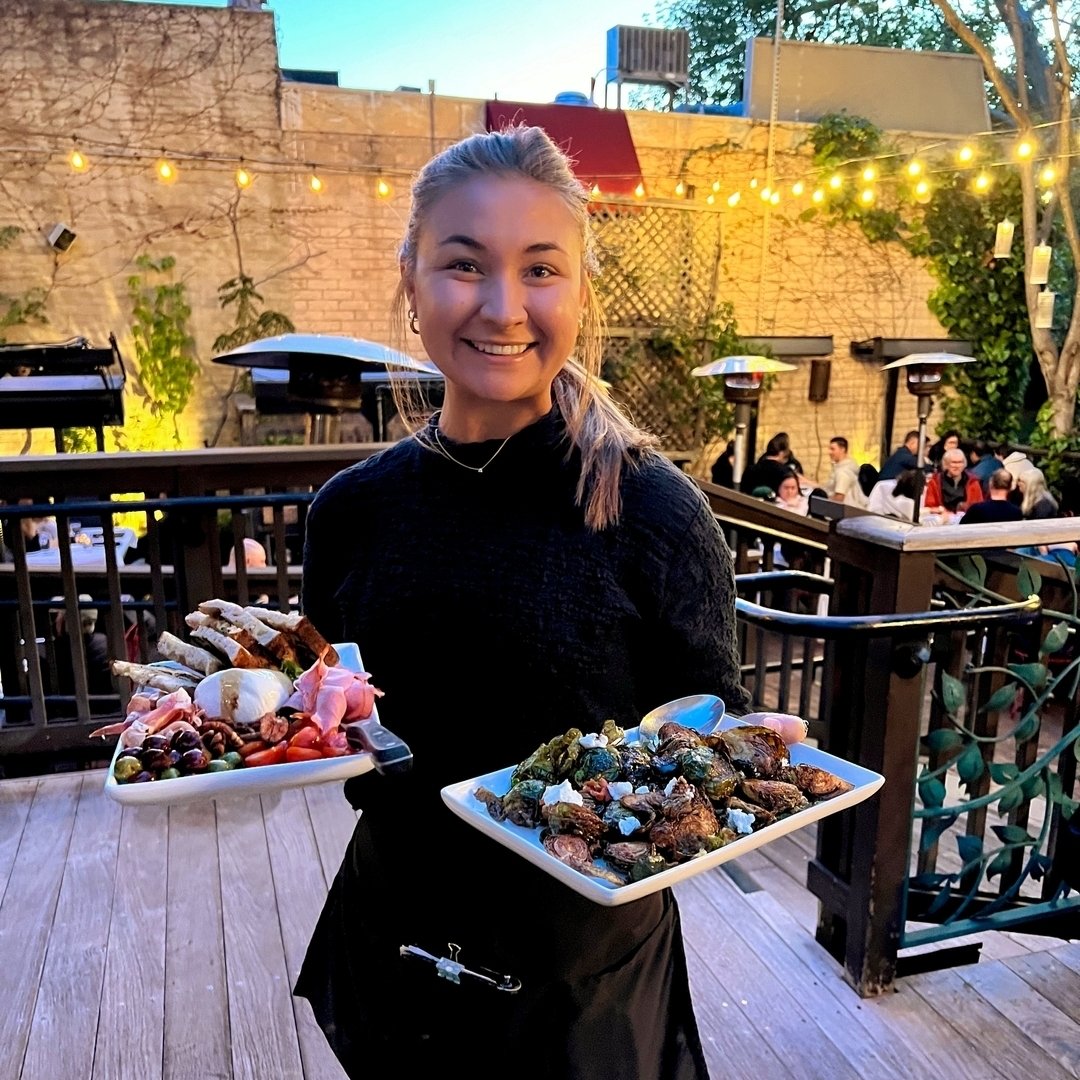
x: 412, y: 321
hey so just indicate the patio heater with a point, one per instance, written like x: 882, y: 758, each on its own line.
x: 923, y: 373
x: 326, y: 375
x: 743, y: 378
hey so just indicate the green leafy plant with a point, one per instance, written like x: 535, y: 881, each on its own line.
x: 21, y: 310
x: 251, y: 324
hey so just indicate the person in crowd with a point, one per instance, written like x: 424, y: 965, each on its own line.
x: 254, y: 555
x: 986, y: 458
x: 950, y: 489
x: 529, y: 534
x: 38, y: 533
x: 903, y: 457
x: 1036, y: 501
x: 844, y: 474
x: 858, y: 495
x: 770, y: 468
x: 723, y: 468
x: 896, y: 498
x: 789, y: 495
x: 951, y: 440
x: 996, y: 507
x: 95, y: 645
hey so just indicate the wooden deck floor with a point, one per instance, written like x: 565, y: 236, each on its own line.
x: 162, y: 943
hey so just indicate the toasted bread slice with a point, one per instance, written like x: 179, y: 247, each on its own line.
x: 197, y: 620
x: 231, y: 649
x: 301, y: 629
x: 173, y: 648
x: 273, y: 641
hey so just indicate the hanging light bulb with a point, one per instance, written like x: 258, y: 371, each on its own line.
x: 869, y: 174
x: 716, y: 186
x: 981, y: 183
x: 315, y: 183
x: 594, y: 193
x: 639, y: 191
x: 753, y: 181
x: 774, y: 198
x: 797, y: 188
x: 914, y: 168
x: 680, y: 188
x: 77, y: 160
x: 818, y: 196
x: 1024, y: 149
x: 166, y: 171
x: 766, y: 193
x: 733, y: 198
x: 866, y: 196
x: 383, y: 190
x: 243, y: 177
x: 836, y: 181
x: 1047, y: 175
x: 710, y: 198
x: 922, y: 192
x: 965, y: 155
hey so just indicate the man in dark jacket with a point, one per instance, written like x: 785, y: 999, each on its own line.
x: 997, y: 507
x: 902, y: 458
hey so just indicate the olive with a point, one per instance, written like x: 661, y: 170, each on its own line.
x: 130, y: 751
x: 141, y: 777
x: 125, y: 768
x: 218, y: 765
x: 185, y: 740
x: 195, y: 760
x: 168, y: 774
x: 155, y: 759
x: 233, y: 758
x: 155, y: 742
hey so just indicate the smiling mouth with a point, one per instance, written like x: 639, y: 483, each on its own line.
x: 492, y: 349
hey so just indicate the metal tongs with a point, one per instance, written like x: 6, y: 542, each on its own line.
x: 389, y: 753
x: 450, y: 968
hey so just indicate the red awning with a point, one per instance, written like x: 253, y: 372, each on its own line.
x: 597, y: 140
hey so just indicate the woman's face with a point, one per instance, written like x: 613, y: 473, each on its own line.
x: 789, y: 489
x: 951, y: 443
x: 498, y: 290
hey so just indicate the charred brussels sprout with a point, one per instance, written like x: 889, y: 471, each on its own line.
x: 598, y: 761
x: 695, y: 763
x: 521, y: 804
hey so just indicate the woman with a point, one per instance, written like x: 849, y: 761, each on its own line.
x: 1036, y: 501
x: 528, y: 563
x: 789, y: 495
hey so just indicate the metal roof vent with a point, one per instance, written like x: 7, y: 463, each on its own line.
x: 649, y: 55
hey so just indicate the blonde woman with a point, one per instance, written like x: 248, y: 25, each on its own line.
x: 528, y: 563
x: 1036, y: 501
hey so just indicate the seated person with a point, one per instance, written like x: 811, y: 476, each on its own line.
x: 903, y: 457
x: 997, y: 507
x: 949, y: 441
x: 951, y: 489
x: 254, y: 555
x: 96, y: 650
x: 895, y: 498
x: 723, y: 468
x: 858, y: 495
x: 38, y: 533
x: 1036, y: 501
x: 770, y: 468
x: 789, y: 495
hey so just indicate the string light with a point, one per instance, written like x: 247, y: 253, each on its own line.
x: 711, y: 198
x: 869, y: 174
x: 243, y: 177
x: 594, y: 193
x: 680, y: 189
x: 639, y: 191
x: 733, y: 198
x: 166, y: 171
x: 77, y: 160
x: 797, y: 188
x: 965, y: 155
x: 866, y: 196
x: 766, y: 193
x: 836, y: 181
x: 1024, y: 149
x: 774, y: 198
x: 716, y: 186
x: 914, y: 168
x: 982, y: 182
x: 315, y: 182
x: 753, y: 181
x: 1047, y: 175
x: 818, y: 196
x: 922, y: 192
x: 382, y: 189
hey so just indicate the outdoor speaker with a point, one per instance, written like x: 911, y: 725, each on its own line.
x: 819, y: 379
x: 60, y: 237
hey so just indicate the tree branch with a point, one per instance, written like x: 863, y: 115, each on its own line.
x: 1007, y: 10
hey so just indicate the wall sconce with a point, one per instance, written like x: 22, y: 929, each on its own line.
x: 743, y: 379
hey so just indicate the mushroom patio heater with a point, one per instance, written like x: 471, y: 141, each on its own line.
x: 923, y: 373
x: 326, y: 374
x: 743, y: 378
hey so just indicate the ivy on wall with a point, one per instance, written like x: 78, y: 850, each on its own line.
x: 19, y: 310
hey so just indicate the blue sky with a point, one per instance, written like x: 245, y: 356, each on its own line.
x: 471, y: 48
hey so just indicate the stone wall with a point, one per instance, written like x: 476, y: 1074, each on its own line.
x: 202, y: 83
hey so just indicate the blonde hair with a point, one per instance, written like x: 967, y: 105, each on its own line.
x: 605, y: 437
x: 1035, y: 489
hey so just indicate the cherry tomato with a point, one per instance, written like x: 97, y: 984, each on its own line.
x: 308, y: 736
x: 300, y: 753
x: 336, y: 744
x: 275, y: 755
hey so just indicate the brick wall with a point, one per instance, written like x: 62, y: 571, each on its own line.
x: 128, y: 79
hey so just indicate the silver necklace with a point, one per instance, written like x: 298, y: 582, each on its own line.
x: 438, y: 446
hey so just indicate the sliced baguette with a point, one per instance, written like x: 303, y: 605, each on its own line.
x: 231, y: 649
x: 273, y: 641
x: 201, y: 660
x: 197, y: 620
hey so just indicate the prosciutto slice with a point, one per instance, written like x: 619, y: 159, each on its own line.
x: 333, y: 695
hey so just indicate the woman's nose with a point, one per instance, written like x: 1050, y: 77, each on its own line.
x: 504, y: 301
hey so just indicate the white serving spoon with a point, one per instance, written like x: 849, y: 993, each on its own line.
x: 704, y: 712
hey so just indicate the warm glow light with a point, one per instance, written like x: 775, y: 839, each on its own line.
x: 680, y: 188
x: 774, y: 198
x: 733, y: 198
x: 753, y: 181
x: 77, y: 161
x: 595, y: 193
x: 1024, y: 149
x: 797, y: 188
x: 766, y: 192
x: 922, y: 191
x: 818, y: 196
x: 166, y: 171
x: 243, y: 178
x: 1048, y: 174
x: 914, y: 168
x: 639, y: 191
x: 716, y: 185
x: 315, y: 183
x: 869, y: 174
x: 981, y: 182
x: 382, y: 189
x: 711, y: 198
x: 866, y: 196
x: 964, y: 154
x: 836, y: 181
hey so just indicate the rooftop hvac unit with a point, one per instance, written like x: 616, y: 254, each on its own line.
x: 645, y: 54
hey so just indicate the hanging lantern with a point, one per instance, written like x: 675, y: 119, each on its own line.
x: 1004, y: 240
x: 1044, y: 309
x: 1040, y: 265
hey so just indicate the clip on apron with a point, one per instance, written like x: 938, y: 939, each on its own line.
x: 451, y: 969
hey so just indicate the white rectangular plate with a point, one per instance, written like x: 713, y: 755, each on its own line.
x: 526, y: 842
x: 246, y: 781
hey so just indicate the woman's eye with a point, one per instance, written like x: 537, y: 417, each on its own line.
x: 541, y: 271
x: 464, y: 265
